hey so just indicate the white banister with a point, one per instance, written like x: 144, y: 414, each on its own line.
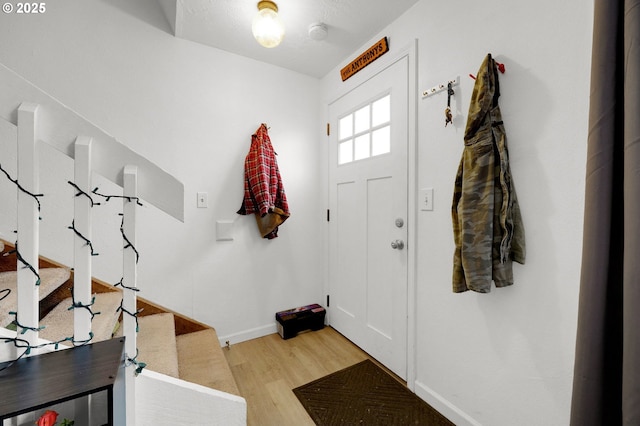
x: 82, y: 260
x: 167, y: 401
x: 81, y: 250
x: 59, y: 126
x: 130, y: 274
x: 28, y: 222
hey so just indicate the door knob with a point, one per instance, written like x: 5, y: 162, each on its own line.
x: 397, y: 244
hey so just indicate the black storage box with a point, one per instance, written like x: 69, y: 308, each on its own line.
x: 293, y: 321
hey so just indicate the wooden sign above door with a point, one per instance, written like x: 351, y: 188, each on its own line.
x: 370, y: 55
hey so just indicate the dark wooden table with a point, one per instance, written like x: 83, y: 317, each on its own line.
x: 43, y: 380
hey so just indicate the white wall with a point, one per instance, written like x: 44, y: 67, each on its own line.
x: 495, y: 359
x: 190, y: 109
x: 503, y: 358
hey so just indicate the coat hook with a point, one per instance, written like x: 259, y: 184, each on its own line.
x: 500, y: 67
x: 447, y: 111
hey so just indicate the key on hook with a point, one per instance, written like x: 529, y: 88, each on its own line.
x: 447, y: 111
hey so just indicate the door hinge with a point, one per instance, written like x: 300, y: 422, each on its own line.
x: 327, y: 300
x: 328, y: 215
x: 328, y: 129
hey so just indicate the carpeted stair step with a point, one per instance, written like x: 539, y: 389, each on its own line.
x: 201, y: 361
x: 59, y: 322
x: 156, y: 343
x: 50, y: 279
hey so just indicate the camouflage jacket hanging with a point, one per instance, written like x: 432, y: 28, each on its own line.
x: 487, y: 224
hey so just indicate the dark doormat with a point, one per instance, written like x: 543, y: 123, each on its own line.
x: 364, y: 394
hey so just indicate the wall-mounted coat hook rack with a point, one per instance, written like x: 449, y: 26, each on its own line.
x: 440, y: 87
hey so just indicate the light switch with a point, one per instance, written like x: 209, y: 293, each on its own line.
x: 203, y: 201
x: 425, y: 200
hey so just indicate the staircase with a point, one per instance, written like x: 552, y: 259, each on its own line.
x: 186, y: 379
x: 168, y: 343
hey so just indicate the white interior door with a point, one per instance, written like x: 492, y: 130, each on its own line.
x: 368, y: 214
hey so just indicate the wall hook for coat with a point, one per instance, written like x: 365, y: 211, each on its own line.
x: 440, y: 87
x: 447, y: 111
x: 501, y: 68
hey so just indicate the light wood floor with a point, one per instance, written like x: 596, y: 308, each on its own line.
x: 267, y: 369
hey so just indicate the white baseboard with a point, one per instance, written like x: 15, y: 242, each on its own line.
x: 253, y: 333
x: 444, y: 407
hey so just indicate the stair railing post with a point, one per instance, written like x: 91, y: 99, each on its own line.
x: 82, y: 253
x: 81, y: 249
x: 28, y: 223
x: 130, y: 280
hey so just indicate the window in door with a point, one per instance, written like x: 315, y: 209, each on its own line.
x: 365, y: 132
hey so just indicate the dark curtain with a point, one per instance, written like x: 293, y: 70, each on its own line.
x: 606, y: 384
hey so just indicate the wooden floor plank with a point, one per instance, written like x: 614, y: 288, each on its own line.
x: 288, y: 413
x: 269, y: 368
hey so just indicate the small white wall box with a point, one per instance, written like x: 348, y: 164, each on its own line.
x: 293, y: 321
x: 224, y: 230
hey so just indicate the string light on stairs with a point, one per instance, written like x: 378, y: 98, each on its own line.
x: 107, y: 198
x: 81, y: 192
x: 124, y: 197
x: 22, y: 343
x: 133, y: 314
x: 121, y: 284
x: 82, y: 237
x: 88, y: 306
x: 24, y: 262
x: 134, y: 361
x: 128, y: 245
x: 15, y: 181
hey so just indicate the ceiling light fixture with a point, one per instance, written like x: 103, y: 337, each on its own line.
x: 267, y: 27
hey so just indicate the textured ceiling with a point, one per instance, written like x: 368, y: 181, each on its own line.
x: 226, y: 24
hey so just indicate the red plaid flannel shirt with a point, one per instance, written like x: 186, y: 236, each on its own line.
x: 263, y: 189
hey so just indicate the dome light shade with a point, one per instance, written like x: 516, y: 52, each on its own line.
x: 267, y: 27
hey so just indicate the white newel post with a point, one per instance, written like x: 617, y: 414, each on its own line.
x: 28, y: 222
x: 130, y: 280
x: 82, y: 259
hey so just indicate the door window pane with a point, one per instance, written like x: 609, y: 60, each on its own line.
x: 361, y: 147
x: 345, y: 127
x: 345, y: 152
x: 381, y: 141
x: 381, y: 111
x: 362, y: 119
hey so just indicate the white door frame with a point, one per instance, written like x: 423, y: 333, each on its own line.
x: 411, y: 52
